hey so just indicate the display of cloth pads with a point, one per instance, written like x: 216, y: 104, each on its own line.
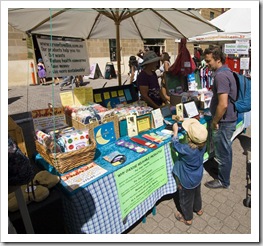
x: 76, y: 140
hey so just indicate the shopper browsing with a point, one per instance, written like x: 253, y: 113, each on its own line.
x: 188, y: 169
x: 224, y: 115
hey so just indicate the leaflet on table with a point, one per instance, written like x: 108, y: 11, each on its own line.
x: 79, y: 96
x: 157, y: 118
x: 81, y: 176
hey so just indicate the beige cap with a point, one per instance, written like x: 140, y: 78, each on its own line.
x: 196, y: 131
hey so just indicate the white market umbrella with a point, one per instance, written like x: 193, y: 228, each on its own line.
x: 115, y: 23
x: 234, y: 23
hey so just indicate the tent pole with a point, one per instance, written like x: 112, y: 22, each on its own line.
x: 118, y: 52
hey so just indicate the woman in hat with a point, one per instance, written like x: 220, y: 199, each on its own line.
x: 147, y: 81
x: 41, y: 71
x: 188, y: 169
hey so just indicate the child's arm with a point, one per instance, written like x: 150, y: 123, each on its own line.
x: 179, y: 147
x: 175, y: 129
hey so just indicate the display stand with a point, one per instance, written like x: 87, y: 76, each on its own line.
x: 110, y: 71
x: 111, y: 96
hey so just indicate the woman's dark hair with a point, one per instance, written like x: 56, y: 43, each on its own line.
x: 133, y: 61
x: 166, y: 56
x: 217, y: 54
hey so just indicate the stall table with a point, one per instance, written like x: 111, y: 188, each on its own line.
x: 95, y: 208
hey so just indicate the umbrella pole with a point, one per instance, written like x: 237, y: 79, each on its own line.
x: 118, y: 52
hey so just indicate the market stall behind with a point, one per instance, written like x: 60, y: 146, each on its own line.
x: 235, y: 38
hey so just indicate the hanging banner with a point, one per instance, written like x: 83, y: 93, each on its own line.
x: 138, y: 180
x: 64, y: 58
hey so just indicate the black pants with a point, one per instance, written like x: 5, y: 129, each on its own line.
x: 190, y: 201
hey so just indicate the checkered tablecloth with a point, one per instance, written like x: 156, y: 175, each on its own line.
x: 95, y: 209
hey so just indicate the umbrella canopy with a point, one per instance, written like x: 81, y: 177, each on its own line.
x: 235, y: 23
x: 119, y: 23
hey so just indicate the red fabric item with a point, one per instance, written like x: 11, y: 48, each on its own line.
x: 233, y: 64
x: 184, y: 63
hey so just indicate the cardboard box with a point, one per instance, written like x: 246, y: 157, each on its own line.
x: 16, y: 133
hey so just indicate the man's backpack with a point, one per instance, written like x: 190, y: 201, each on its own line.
x: 243, y: 100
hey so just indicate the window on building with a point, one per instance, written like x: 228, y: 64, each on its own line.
x: 112, y: 43
x: 212, y: 15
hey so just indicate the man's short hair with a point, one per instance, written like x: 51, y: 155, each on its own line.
x: 217, y: 53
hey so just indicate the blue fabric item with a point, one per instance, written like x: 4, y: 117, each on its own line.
x: 189, y: 166
x: 242, y: 101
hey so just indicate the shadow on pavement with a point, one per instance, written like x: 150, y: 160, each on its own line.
x: 211, y: 166
x: 13, y: 99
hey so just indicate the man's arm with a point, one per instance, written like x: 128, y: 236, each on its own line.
x: 220, y: 110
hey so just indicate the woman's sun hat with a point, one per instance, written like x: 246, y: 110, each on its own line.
x: 150, y: 57
x: 196, y: 131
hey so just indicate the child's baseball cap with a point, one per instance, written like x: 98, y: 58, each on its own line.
x: 196, y: 131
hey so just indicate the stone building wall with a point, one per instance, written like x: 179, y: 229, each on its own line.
x: 17, y: 44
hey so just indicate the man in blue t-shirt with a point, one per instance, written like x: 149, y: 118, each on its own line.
x: 224, y: 115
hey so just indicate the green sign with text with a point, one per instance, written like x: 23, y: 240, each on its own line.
x: 138, y: 180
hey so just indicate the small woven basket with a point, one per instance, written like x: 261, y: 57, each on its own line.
x: 64, y: 162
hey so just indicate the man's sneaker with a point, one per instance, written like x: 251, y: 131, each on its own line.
x: 215, y: 184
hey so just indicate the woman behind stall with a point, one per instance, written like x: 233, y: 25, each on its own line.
x: 188, y: 169
x: 147, y: 81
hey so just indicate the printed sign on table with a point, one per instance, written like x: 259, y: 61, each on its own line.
x: 138, y: 180
x: 48, y: 119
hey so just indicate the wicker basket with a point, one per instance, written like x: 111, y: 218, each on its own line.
x: 80, y: 126
x: 64, y: 162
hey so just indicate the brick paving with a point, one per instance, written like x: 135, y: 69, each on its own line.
x: 224, y: 212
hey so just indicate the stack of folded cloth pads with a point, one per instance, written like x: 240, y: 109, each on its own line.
x: 64, y: 140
